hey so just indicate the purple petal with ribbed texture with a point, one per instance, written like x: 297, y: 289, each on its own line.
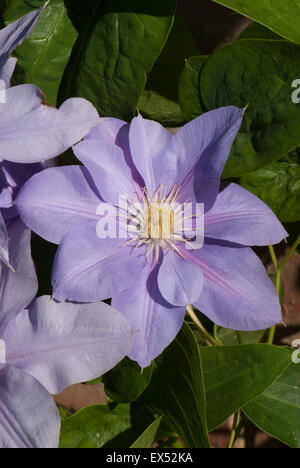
x: 237, y: 292
x: 57, y: 200
x: 239, y: 216
x: 28, y: 414
x: 90, y: 269
x: 17, y: 289
x: 31, y: 131
x: 156, y: 321
x: 61, y: 344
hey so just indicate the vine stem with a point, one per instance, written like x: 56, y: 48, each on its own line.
x: 236, y: 429
x: 209, y: 340
x: 233, y: 435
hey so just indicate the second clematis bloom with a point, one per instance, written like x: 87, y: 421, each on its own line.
x: 46, y: 346
x: 152, y: 271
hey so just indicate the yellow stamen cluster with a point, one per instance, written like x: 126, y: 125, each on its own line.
x: 157, y: 222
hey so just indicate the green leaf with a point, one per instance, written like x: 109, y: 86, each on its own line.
x: 115, y: 50
x: 109, y: 425
x: 42, y: 58
x: 147, y: 438
x: 126, y: 381
x: 94, y: 426
x: 176, y: 390
x: 160, y: 99
x: 189, y: 92
x: 293, y: 157
x: 257, y: 74
x: 277, y: 410
x: 282, y: 17
x: 278, y: 185
x: 232, y: 337
x: 94, y: 382
x: 235, y: 375
x: 153, y: 106
x: 257, y: 31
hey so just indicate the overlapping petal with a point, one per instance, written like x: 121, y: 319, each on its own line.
x: 116, y: 132
x: 61, y: 344
x: 237, y: 292
x: 239, y: 216
x: 89, y: 269
x: 149, y: 145
x: 156, y: 321
x: 17, y: 289
x: 57, y: 200
x: 179, y: 281
x: 193, y: 159
x: 202, y: 147
x: 28, y: 414
x: 6, y: 72
x: 32, y: 131
x: 108, y: 168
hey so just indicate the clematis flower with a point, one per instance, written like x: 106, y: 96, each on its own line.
x: 46, y: 347
x: 12, y: 36
x: 152, y: 278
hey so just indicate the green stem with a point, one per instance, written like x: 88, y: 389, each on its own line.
x: 271, y: 336
x: 209, y: 340
x: 233, y: 435
x: 217, y: 339
x: 236, y: 430
x: 273, y: 256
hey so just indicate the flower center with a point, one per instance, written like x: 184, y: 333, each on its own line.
x: 159, y: 221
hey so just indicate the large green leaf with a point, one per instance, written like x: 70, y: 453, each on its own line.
x: 282, y: 16
x: 235, y: 375
x: 278, y: 185
x: 177, y: 390
x: 257, y: 74
x: 160, y: 99
x: 147, y: 438
x: 111, y: 426
x: 277, y: 410
x: 127, y: 381
x: 188, y: 89
x: 42, y: 58
x: 115, y: 50
x: 94, y: 426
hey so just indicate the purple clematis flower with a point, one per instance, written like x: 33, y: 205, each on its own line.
x: 152, y: 278
x: 45, y: 348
